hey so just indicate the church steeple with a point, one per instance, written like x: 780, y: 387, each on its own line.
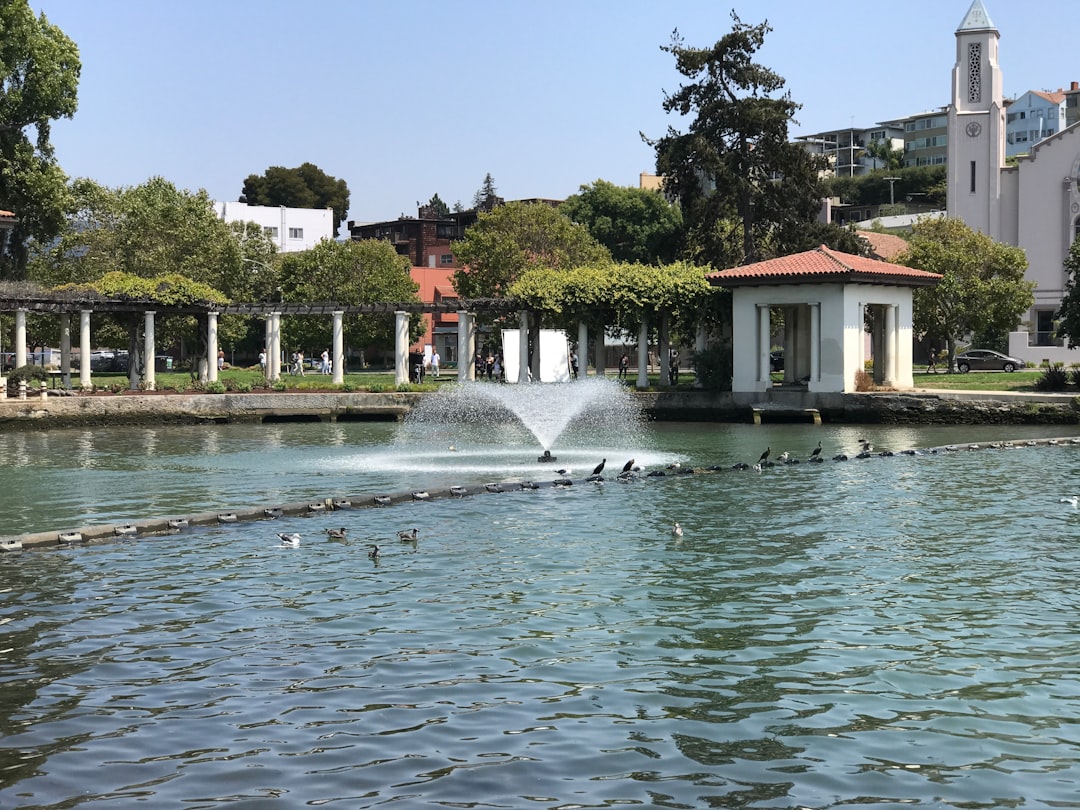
x: 976, y: 133
x: 976, y: 19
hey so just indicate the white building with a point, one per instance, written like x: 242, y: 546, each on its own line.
x: 291, y: 229
x: 845, y: 149
x: 1034, y: 204
x: 1031, y: 118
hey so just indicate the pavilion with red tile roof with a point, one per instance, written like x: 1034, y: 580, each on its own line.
x: 826, y: 297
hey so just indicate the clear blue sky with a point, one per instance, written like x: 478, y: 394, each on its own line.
x: 405, y: 100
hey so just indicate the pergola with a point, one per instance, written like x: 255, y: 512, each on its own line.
x: 825, y: 296
x: 64, y: 305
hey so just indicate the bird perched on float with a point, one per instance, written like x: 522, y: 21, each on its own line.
x: 816, y: 452
x: 599, y: 468
x: 337, y: 534
x: 783, y: 457
x: 628, y: 466
x: 410, y: 536
x: 676, y: 530
x: 764, y: 456
x: 289, y: 540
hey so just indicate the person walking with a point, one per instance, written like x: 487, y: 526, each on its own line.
x: 435, y: 360
x: 325, y: 368
x: 624, y: 366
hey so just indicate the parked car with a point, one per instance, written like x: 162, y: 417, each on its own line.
x: 987, y: 360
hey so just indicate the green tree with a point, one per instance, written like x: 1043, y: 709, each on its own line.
x: 39, y: 78
x: 487, y: 196
x: 437, y: 206
x: 982, y: 285
x: 148, y: 230
x: 735, y: 166
x: 634, y: 224
x: 306, y: 186
x: 885, y: 156
x: 347, y: 273
x: 1068, y: 314
x: 513, y: 238
x: 154, y: 231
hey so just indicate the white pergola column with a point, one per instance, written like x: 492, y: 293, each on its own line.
x: 268, y: 346
x: 600, y: 355
x: 664, y: 350
x: 211, y: 346
x: 401, y: 347
x: 815, y: 344
x: 149, y: 351
x: 763, y: 345
x: 701, y: 343
x: 65, y: 348
x: 338, y: 333
x: 643, y: 354
x: 466, y: 368
x: 583, y: 348
x: 523, y: 347
x: 889, y: 345
x: 84, y: 349
x: 20, y: 338
x: 273, y: 356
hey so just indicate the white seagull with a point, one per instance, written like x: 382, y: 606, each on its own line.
x: 289, y: 540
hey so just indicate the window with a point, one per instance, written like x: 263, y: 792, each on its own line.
x: 270, y: 231
x: 446, y: 258
x: 973, y: 177
x: 296, y: 233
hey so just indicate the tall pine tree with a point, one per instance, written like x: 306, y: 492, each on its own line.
x: 747, y: 192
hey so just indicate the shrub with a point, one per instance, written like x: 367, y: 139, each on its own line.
x: 377, y: 388
x: 29, y: 374
x: 404, y: 388
x: 713, y: 367
x: 280, y: 386
x: 215, y: 387
x: 347, y: 388
x: 863, y: 381
x: 1053, y: 378
x: 1074, y: 375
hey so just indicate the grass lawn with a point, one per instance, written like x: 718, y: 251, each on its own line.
x: 382, y: 380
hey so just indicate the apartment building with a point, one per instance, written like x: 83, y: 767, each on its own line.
x: 291, y: 229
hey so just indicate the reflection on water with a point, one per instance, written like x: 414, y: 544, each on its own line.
x: 880, y: 632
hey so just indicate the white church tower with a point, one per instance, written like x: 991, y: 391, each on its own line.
x: 976, y: 132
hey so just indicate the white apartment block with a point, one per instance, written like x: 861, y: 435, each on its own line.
x: 291, y: 229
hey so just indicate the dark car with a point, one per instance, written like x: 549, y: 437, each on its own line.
x: 987, y: 360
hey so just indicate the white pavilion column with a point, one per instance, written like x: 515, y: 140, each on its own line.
x: 338, y: 333
x: 643, y: 353
x: 273, y: 354
x: 65, y: 349
x: 20, y: 338
x: 701, y: 343
x: 600, y: 355
x: 211, y: 346
x: 763, y: 345
x: 815, y: 343
x: 889, y: 370
x: 523, y: 347
x: 466, y: 368
x: 149, y: 351
x: 583, y: 349
x: 401, y: 347
x: 84, y: 349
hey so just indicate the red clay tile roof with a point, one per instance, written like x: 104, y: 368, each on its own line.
x: 446, y: 291
x: 884, y: 246
x: 822, y: 266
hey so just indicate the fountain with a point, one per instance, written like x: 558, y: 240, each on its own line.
x: 544, y: 410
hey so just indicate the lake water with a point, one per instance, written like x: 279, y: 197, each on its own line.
x: 877, y: 633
